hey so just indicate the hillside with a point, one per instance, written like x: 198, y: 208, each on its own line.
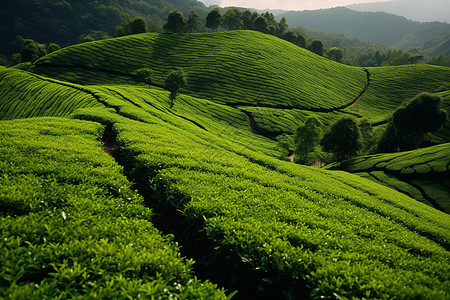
x: 429, y: 11
x: 423, y: 174
x: 235, y: 68
x: 376, y: 27
x: 79, y: 223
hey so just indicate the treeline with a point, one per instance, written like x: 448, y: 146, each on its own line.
x: 68, y: 22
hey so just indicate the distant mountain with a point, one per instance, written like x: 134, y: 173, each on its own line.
x: 382, y: 28
x: 423, y: 11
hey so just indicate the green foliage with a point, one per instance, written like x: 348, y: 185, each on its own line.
x: 213, y: 19
x: 261, y: 24
x: 285, y: 229
x: 232, y: 19
x: 295, y: 38
x: 44, y: 96
x: 307, y: 138
x: 176, y: 22
x: 343, y: 139
x: 193, y: 23
x: 256, y: 69
x: 420, y: 174
x: 52, y: 47
x: 72, y: 226
x: 144, y: 75
x: 286, y: 144
x: 31, y: 51
x: 317, y: 47
x: 335, y: 54
x: 411, y: 122
x: 132, y: 26
x: 174, y: 82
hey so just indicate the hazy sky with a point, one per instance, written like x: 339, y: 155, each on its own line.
x: 286, y: 4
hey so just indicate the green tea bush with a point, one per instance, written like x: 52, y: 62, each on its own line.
x: 72, y: 226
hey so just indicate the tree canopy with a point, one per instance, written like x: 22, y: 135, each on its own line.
x: 307, y: 138
x: 409, y: 123
x: 213, y: 19
x: 174, y: 82
x: 193, y: 23
x: 132, y: 26
x: 343, y: 139
x: 176, y: 22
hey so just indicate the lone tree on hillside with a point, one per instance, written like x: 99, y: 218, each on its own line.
x: 132, y: 26
x: 343, y: 139
x: 144, y: 75
x: 213, y: 19
x: 307, y: 138
x: 409, y: 123
x: 176, y: 22
x: 193, y: 23
x: 317, y: 47
x: 174, y: 81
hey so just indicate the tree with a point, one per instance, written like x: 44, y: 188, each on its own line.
x: 247, y: 19
x: 317, y: 47
x: 144, y: 75
x: 174, y: 81
x: 232, y: 19
x: 282, y: 27
x: 335, y: 54
x: 343, y: 139
x: 213, y: 19
x: 307, y: 138
x: 52, y: 47
x: 260, y: 24
x: 285, y: 143
x: 31, y: 51
x: 193, y: 23
x: 409, y: 123
x: 132, y: 26
x: 176, y: 22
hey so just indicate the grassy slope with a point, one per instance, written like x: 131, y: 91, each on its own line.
x: 279, y: 227
x: 391, y: 86
x: 423, y: 174
x: 229, y: 67
x: 25, y: 95
x: 71, y: 226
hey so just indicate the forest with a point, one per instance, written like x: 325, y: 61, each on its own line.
x: 223, y: 155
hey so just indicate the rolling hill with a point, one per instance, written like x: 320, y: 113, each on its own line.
x: 195, y: 171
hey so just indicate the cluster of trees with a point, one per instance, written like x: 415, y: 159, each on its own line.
x: 348, y: 137
x: 32, y: 51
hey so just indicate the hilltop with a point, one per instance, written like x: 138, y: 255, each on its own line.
x: 110, y: 191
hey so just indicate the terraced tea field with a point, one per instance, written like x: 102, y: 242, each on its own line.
x: 245, y: 67
x: 422, y: 174
x: 74, y: 226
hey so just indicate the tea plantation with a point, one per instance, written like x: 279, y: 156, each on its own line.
x: 79, y: 223
x: 422, y: 174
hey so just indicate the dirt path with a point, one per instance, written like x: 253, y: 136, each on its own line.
x: 363, y: 91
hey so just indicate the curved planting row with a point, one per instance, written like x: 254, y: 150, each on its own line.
x: 422, y: 174
x: 236, y: 67
x: 25, y: 95
x: 71, y: 226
